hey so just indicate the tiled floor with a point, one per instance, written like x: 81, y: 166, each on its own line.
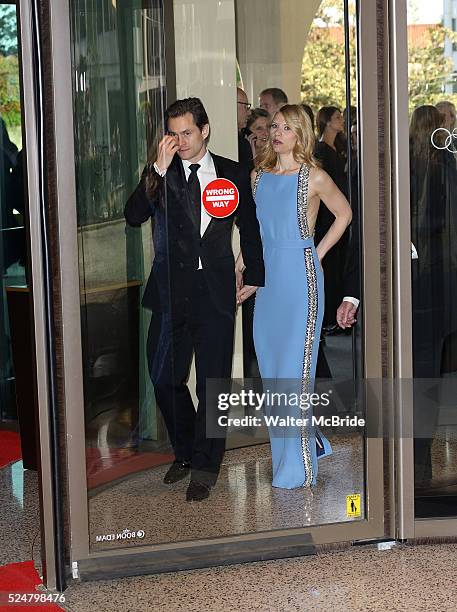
x: 19, y: 514
x: 243, y: 500
x: 409, y: 579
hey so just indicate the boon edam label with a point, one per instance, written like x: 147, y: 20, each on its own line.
x: 353, y: 505
x: 126, y: 534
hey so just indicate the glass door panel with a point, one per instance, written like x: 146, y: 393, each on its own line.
x: 118, y: 70
x: 121, y: 79
x: 12, y: 233
x: 432, y: 62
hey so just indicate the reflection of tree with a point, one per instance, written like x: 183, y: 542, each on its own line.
x: 429, y: 70
x: 8, y: 40
x: 323, y: 68
x: 323, y: 72
x: 10, y: 105
x: 331, y: 12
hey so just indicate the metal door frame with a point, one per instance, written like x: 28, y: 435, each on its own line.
x: 408, y: 526
x: 251, y: 546
x: 33, y: 127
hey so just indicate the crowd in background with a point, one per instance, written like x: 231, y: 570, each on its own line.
x: 331, y: 150
x: 433, y: 173
x: 433, y: 214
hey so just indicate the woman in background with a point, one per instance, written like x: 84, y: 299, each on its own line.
x: 258, y: 127
x: 309, y: 111
x: 433, y: 181
x: 329, y: 151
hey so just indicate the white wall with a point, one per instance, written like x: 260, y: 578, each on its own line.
x: 271, y: 37
x: 206, y: 67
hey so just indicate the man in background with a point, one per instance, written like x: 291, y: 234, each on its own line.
x: 272, y: 99
x: 242, y: 112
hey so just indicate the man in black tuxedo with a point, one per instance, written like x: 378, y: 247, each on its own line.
x: 347, y: 310
x: 191, y: 288
x: 244, y: 146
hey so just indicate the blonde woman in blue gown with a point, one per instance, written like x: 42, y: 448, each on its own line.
x: 288, y: 186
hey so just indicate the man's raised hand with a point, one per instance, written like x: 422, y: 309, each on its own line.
x: 166, y: 151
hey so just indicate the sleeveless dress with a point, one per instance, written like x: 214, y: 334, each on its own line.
x: 287, y: 321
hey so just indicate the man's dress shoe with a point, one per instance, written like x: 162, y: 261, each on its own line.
x: 177, y: 471
x: 197, y: 491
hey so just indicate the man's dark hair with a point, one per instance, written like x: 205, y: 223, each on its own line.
x: 309, y: 111
x: 193, y: 106
x: 278, y: 95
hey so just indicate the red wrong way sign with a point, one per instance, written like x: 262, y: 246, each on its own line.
x: 220, y: 198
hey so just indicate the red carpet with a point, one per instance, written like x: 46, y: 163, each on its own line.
x: 10, y: 447
x: 22, y: 578
x: 108, y: 464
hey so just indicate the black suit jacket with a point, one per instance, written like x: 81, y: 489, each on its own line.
x: 245, y: 152
x: 178, y: 244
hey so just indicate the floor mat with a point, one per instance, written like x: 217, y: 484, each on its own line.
x: 109, y: 464
x: 19, y: 582
x: 10, y: 447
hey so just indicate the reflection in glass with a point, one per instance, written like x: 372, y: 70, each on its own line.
x: 119, y: 91
x: 433, y: 179
x: 12, y: 233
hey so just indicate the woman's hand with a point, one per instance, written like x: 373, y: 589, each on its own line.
x: 239, y: 269
x: 319, y: 258
x: 166, y: 151
x: 245, y: 292
x: 239, y: 279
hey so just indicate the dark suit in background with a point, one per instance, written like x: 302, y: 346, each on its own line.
x: 434, y: 291
x: 194, y: 310
x: 245, y: 152
x: 250, y: 365
x: 333, y: 263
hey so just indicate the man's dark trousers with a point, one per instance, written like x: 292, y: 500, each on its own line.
x: 194, y: 325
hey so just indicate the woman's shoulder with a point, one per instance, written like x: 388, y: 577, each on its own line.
x: 316, y: 173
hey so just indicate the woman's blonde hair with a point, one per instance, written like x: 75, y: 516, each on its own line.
x: 297, y: 119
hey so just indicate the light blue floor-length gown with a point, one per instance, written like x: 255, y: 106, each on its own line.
x: 288, y: 319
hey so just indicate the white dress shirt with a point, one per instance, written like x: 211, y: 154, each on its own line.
x: 206, y: 173
x: 353, y: 300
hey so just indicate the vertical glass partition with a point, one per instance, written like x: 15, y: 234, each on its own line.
x: 432, y: 65
x: 119, y: 89
x: 12, y: 233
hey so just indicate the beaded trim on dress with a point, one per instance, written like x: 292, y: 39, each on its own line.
x: 311, y: 319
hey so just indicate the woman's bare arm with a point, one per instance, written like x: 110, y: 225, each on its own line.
x: 322, y: 186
